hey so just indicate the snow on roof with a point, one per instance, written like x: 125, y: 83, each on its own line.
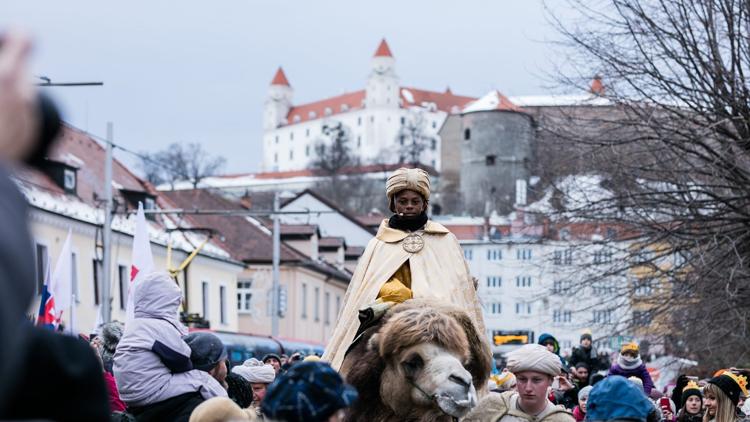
x: 493, y: 100
x: 559, y: 100
x: 577, y: 191
x: 408, y: 96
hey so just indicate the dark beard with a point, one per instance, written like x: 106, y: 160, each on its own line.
x: 407, y: 224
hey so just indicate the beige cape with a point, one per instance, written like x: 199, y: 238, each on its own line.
x: 438, y: 271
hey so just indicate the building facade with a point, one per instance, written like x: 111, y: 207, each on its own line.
x: 384, y: 121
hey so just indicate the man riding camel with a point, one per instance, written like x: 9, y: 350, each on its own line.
x: 410, y: 257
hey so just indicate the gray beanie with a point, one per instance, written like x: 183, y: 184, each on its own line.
x: 206, y: 350
x: 584, y: 392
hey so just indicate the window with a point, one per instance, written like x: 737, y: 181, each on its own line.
x: 97, y: 280
x: 69, y: 180
x: 275, y: 157
x: 291, y: 154
x: 359, y: 121
x: 316, y: 304
x: 401, y: 139
x: 74, y: 276
x: 561, y: 316
x: 42, y: 262
x: 467, y: 134
x: 296, y: 118
x: 494, y: 281
x: 434, y: 125
x: 307, y: 132
x: 433, y: 145
x: 327, y: 309
x: 468, y: 254
x: 359, y: 141
x: 311, y: 115
x: 643, y: 287
x: 403, y: 120
x: 338, y: 305
x: 563, y: 257
x: 561, y: 287
x: 291, y: 136
x: 489, y: 160
x: 372, y: 119
x: 223, y: 304
x: 277, y: 139
x: 205, y: 291
x: 641, y: 318
x: 123, y: 280
x: 523, y: 254
x: 494, y: 255
x: 523, y: 281
x: 603, y: 256
x: 304, y: 301
x: 523, y: 308
x: 244, y: 295
x: 603, y: 317
x: 496, y: 308
x: 604, y: 287
x: 307, y: 150
x: 344, y: 107
x: 327, y: 111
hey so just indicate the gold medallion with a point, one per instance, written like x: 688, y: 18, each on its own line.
x: 413, y: 243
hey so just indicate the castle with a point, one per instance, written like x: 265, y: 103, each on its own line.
x: 381, y: 120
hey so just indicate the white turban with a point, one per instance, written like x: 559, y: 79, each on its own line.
x: 255, y: 371
x: 413, y: 179
x: 534, y: 357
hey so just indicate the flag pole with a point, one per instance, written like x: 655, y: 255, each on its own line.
x: 107, y: 232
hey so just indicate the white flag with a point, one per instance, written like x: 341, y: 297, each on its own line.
x: 61, y: 282
x: 142, y: 262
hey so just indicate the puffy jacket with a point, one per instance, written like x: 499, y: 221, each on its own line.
x: 638, y: 372
x: 152, y: 362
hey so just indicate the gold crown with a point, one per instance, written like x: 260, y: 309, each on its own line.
x: 691, y: 385
x: 741, y: 380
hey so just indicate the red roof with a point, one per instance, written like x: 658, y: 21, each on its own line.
x: 444, y: 101
x: 280, y: 78
x: 329, y: 106
x: 370, y: 168
x: 383, y: 50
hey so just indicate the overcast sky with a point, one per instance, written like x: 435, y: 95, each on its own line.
x: 198, y: 71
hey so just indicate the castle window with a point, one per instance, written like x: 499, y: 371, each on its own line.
x: 296, y: 118
x: 489, y: 160
x: 372, y: 119
x: 307, y: 150
x: 275, y: 157
x: 434, y: 145
x: 291, y: 136
x: 291, y: 154
x: 467, y: 134
x: 312, y: 115
x: 403, y: 120
x: 327, y: 111
x: 401, y: 140
x: 344, y: 107
x: 434, y: 125
x: 277, y: 139
x: 359, y: 141
x: 359, y: 121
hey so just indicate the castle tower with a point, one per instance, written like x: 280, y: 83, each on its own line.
x: 382, y: 84
x: 279, y: 101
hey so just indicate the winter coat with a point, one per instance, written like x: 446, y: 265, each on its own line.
x: 578, y: 414
x: 115, y: 404
x: 638, y: 372
x: 683, y: 416
x: 495, y: 406
x: 152, y: 362
x: 588, y: 356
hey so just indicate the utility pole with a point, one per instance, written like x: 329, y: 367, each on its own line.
x: 275, y: 263
x: 107, y: 230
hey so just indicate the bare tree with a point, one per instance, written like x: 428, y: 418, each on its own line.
x: 413, y: 137
x: 333, y: 151
x: 180, y: 162
x: 675, y: 155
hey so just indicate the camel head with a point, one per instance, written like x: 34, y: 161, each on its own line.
x: 425, y: 353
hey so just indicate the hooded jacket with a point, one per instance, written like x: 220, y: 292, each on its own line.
x: 494, y: 407
x: 544, y: 338
x: 636, y: 369
x: 152, y: 362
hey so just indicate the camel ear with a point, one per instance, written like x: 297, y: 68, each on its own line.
x: 374, y: 342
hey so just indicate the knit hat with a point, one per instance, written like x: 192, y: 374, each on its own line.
x: 630, y: 347
x: 308, y: 391
x: 533, y: 357
x: 412, y: 179
x: 270, y: 356
x: 586, y: 336
x: 732, y: 385
x: 580, y: 365
x: 255, y: 371
x: 617, y: 398
x: 206, y: 350
x: 218, y: 409
x: 691, y: 389
x: 584, y: 392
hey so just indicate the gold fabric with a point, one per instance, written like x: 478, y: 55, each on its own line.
x: 413, y: 179
x: 398, y: 288
x: 437, y: 271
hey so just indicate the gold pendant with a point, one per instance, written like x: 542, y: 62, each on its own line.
x: 413, y: 243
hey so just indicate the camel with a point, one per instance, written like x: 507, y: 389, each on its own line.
x: 423, y: 361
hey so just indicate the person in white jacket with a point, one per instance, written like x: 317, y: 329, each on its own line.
x: 152, y: 364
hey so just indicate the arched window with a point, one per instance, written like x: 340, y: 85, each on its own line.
x: 467, y: 134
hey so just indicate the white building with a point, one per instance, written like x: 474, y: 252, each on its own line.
x: 378, y: 119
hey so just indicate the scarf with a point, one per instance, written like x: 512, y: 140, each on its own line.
x: 407, y: 224
x: 629, y: 363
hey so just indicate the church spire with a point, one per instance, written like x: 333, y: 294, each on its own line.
x: 383, y: 50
